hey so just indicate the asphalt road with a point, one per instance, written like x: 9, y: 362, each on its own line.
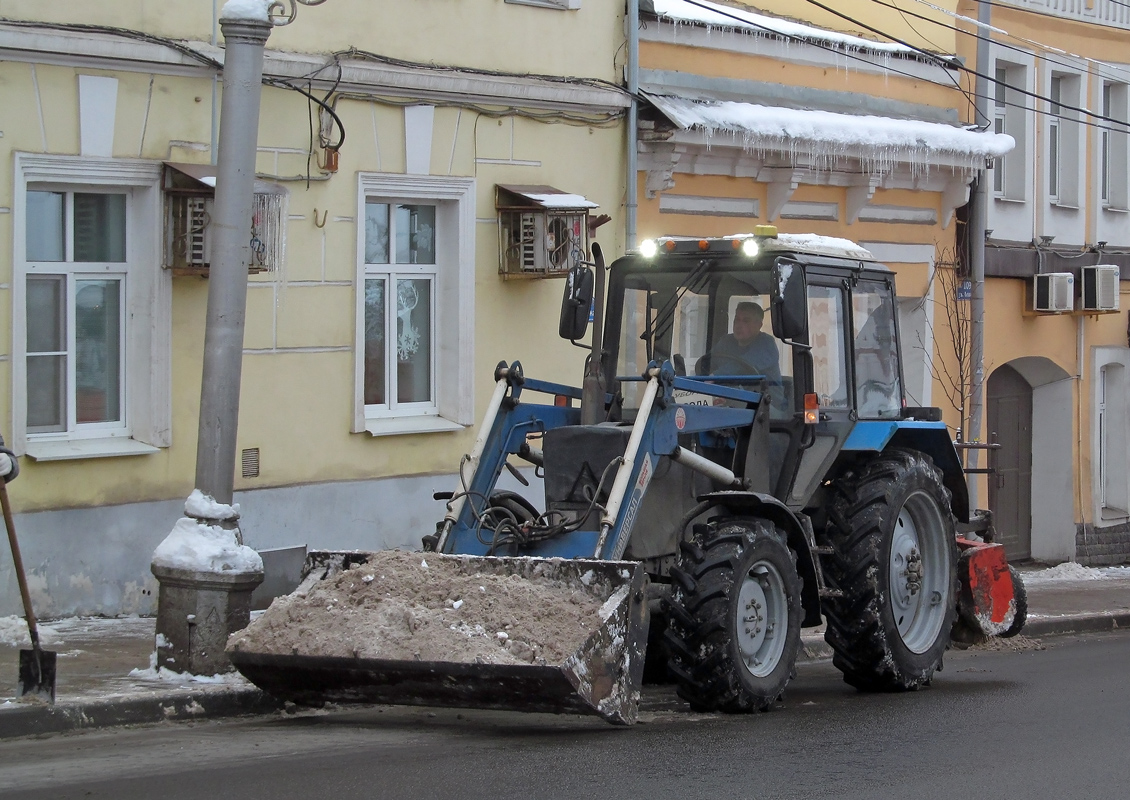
x: 1051, y: 723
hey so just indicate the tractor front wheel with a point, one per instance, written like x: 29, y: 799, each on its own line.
x: 735, y: 613
x: 894, y: 561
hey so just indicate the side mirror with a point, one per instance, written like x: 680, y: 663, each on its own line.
x: 790, y: 301
x: 576, y: 303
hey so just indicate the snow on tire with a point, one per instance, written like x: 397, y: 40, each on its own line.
x: 735, y: 613
x: 894, y: 560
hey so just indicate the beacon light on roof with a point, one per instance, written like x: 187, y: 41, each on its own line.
x: 750, y: 247
x: 648, y: 248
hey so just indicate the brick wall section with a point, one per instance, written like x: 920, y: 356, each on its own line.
x: 1100, y: 547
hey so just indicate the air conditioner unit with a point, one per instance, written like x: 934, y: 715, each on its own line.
x: 1053, y: 292
x: 1100, y: 287
x: 537, y: 243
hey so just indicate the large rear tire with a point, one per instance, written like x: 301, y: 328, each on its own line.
x: 735, y: 615
x: 894, y: 560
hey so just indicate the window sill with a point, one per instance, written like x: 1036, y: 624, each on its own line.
x: 1001, y: 199
x: 88, y: 448
x: 1064, y: 206
x: 1116, y: 209
x: 394, y: 426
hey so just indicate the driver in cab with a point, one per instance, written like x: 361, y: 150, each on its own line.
x: 748, y: 347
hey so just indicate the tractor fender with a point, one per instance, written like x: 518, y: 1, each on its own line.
x: 766, y: 506
x: 936, y: 443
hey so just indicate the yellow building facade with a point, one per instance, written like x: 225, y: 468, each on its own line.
x: 376, y: 309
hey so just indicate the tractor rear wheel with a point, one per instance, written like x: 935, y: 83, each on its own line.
x: 894, y: 561
x: 735, y: 613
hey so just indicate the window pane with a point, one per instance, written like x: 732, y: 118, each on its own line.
x: 45, y: 226
x: 414, y: 341
x: 100, y: 227
x: 46, y: 394
x: 415, y: 234
x: 826, y: 335
x: 376, y: 233
x: 877, y: 389
x: 46, y: 322
x: 375, y: 347
x: 97, y: 350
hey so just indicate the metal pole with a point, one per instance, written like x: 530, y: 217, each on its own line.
x: 978, y: 221
x: 632, y: 201
x: 231, y: 235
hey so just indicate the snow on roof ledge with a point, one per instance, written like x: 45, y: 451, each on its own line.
x: 830, y: 135
x: 730, y: 18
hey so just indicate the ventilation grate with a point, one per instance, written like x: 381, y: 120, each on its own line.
x: 251, y: 462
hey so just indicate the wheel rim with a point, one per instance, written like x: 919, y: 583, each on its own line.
x: 919, y: 572
x: 762, y: 619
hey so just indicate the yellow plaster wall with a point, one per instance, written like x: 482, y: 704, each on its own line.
x: 917, y: 33
x: 487, y: 34
x: 297, y: 406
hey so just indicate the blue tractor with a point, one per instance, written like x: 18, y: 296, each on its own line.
x: 738, y: 464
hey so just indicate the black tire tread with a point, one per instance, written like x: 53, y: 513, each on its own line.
x: 859, y: 506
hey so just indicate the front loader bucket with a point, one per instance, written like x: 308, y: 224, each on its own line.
x: 524, y: 634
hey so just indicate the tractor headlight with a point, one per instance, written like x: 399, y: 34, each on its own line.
x: 750, y: 247
x: 648, y: 248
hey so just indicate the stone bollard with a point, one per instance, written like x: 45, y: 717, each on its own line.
x: 206, y: 576
x: 196, y: 612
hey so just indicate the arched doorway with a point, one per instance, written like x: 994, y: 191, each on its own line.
x: 1010, y: 489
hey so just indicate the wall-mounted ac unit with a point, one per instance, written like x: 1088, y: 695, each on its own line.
x: 189, y: 191
x: 1053, y: 292
x: 542, y: 232
x: 1099, y: 291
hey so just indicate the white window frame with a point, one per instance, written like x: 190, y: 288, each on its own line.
x: 1064, y: 132
x: 453, y: 288
x: 1111, y: 435
x: 1114, y: 148
x: 1010, y: 116
x: 146, y: 362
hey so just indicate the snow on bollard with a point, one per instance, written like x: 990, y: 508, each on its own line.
x: 206, y: 576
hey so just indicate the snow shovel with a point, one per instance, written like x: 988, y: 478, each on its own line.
x: 37, y: 666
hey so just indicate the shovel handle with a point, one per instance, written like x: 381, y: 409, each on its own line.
x: 18, y: 563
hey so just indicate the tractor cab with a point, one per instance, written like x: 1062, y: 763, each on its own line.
x: 807, y: 321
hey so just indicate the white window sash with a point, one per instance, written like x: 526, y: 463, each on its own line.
x: 145, y: 368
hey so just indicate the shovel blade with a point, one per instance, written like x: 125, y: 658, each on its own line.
x: 37, y: 676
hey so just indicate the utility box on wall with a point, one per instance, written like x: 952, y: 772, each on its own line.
x: 542, y: 231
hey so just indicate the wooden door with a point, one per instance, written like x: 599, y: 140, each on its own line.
x: 1010, y: 489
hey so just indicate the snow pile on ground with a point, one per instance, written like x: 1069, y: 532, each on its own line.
x: 246, y: 9
x: 409, y: 606
x: 205, y: 548
x: 1069, y: 571
x: 203, y: 506
x: 13, y: 631
x: 155, y: 673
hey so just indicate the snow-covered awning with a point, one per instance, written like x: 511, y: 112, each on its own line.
x: 716, y: 15
x: 541, y: 196
x: 879, y: 142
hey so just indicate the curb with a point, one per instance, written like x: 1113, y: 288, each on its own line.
x: 35, y: 720
x: 1076, y: 623
x: 31, y: 720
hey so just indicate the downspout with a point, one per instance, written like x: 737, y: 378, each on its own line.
x: 633, y: 68
x: 978, y: 222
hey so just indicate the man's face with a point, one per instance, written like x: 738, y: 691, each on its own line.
x: 747, y: 324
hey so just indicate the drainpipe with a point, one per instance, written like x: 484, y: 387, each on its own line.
x: 978, y: 221
x: 227, y: 281
x: 631, y: 202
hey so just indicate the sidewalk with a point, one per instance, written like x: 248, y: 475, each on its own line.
x: 95, y: 687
